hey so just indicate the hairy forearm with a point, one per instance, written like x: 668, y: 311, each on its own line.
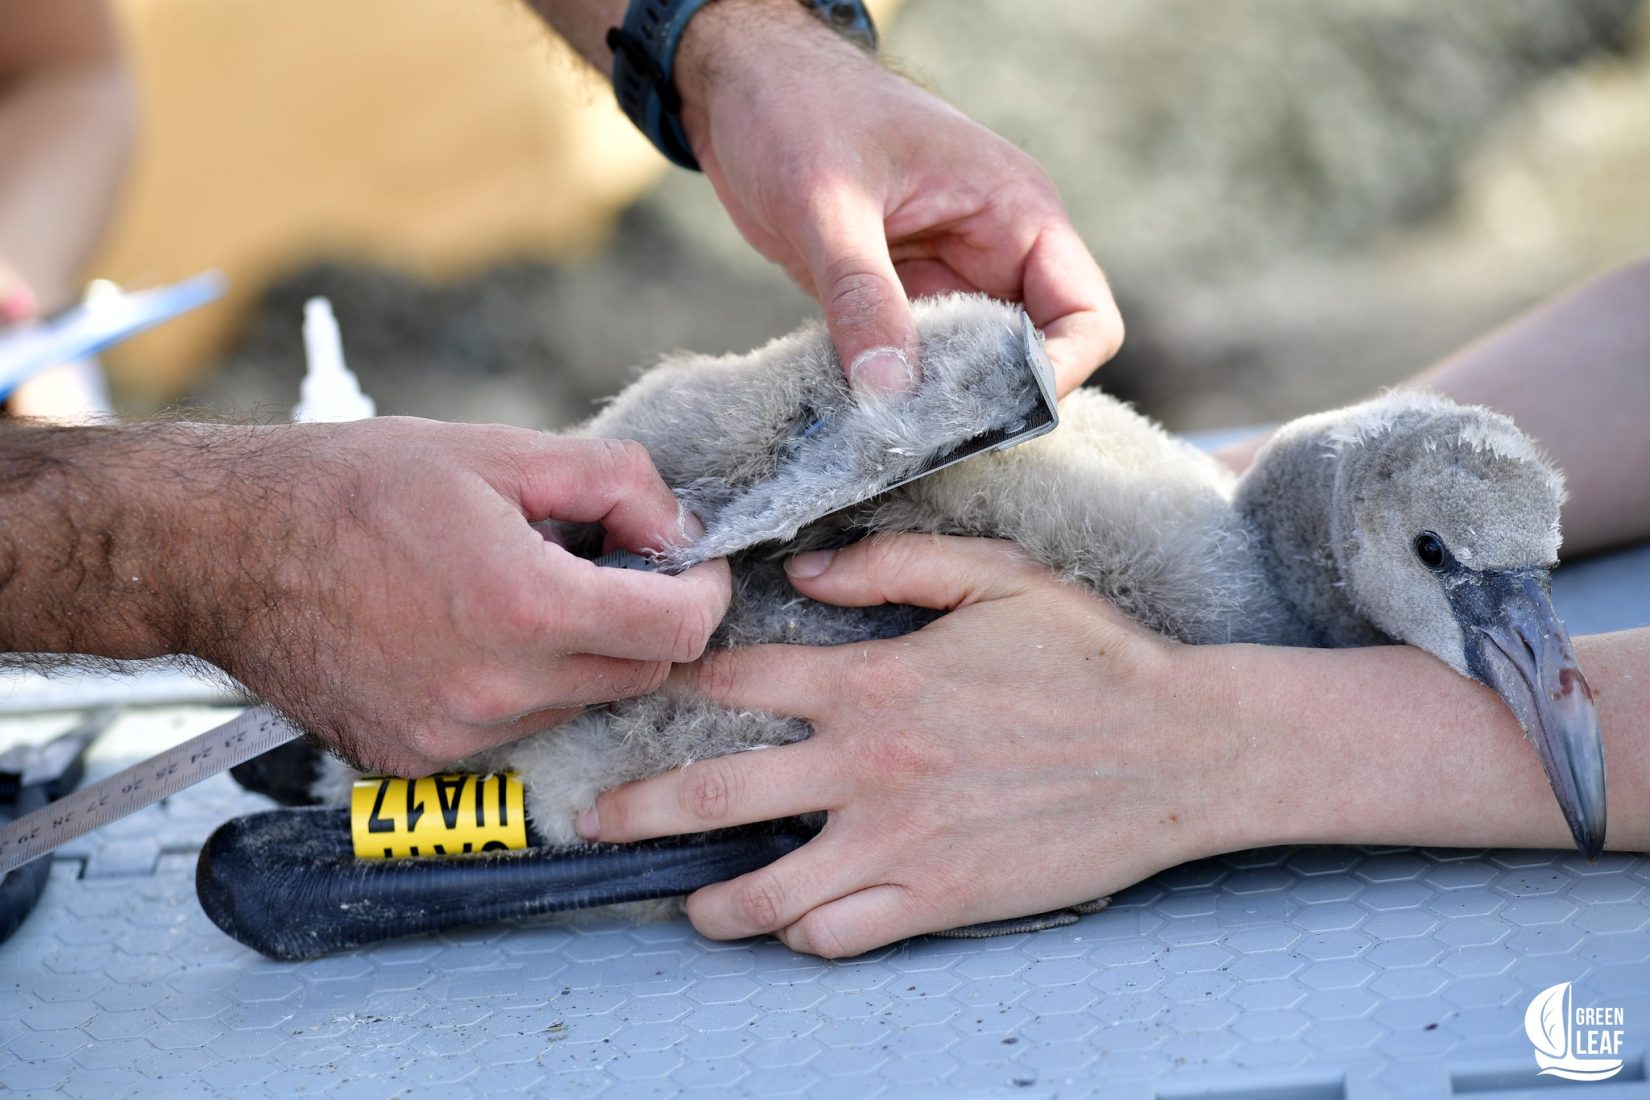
x: 1575, y: 374
x: 120, y: 541
x: 1386, y: 745
x: 75, y: 575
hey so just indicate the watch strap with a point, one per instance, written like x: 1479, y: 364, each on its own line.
x: 644, y: 63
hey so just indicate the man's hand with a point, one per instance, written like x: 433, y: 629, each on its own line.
x: 1007, y: 759
x: 412, y: 586
x: 378, y: 581
x: 866, y: 189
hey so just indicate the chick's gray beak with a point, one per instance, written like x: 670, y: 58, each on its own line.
x: 1517, y: 646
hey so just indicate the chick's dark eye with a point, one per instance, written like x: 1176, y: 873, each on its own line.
x: 1430, y: 549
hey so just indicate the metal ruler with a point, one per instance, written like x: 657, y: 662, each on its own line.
x: 241, y: 738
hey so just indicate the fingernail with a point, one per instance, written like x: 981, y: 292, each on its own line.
x: 18, y: 304
x: 690, y: 526
x: 811, y: 564
x: 589, y: 824
x: 882, y: 370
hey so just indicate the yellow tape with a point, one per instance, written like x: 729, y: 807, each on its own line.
x: 439, y: 815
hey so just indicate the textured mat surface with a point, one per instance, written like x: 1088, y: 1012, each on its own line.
x: 1311, y: 973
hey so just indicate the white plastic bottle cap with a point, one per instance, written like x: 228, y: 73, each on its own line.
x: 330, y: 390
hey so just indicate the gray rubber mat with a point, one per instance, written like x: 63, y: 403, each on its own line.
x: 1302, y: 974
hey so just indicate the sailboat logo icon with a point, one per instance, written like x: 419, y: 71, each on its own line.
x: 1572, y: 1043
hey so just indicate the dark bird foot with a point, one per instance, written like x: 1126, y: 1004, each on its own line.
x: 287, y: 883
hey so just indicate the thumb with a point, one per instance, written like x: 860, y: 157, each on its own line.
x: 943, y: 572
x: 866, y: 310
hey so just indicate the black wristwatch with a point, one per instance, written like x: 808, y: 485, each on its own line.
x: 644, y: 60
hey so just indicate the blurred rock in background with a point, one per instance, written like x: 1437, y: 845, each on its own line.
x: 1296, y: 201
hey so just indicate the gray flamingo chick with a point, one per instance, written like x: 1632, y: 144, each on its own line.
x: 1415, y: 519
